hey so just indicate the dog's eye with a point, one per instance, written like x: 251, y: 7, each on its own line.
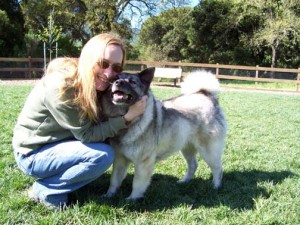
x: 132, y: 81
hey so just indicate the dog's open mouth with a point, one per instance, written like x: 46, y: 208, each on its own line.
x: 121, y: 97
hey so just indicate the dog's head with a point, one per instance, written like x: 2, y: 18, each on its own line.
x: 127, y: 88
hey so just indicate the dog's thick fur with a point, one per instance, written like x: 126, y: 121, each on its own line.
x: 192, y: 122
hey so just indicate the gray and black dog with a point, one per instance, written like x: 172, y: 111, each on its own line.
x: 191, y: 123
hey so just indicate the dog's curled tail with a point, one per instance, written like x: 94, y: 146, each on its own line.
x: 200, y: 81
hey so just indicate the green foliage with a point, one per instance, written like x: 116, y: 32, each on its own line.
x: 53, y: 20
x: 11, y: 28
x: 261, y: 173
x: 213, y: 32
x: 280, y: 28
x: 227, y: 32
x: 78, y: 21
x: 219, y: 31
x: 51, y: 33
x: 255, y: 32
x: 164, y: 38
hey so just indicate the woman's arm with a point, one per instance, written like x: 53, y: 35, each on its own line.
x: 68, y: 117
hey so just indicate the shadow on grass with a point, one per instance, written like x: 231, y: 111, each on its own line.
x: 238, y: 191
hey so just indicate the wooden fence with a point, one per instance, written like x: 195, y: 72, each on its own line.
x: 13, y: 68
x: 33, y: 68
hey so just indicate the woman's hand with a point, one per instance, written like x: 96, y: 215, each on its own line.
x: 136, y: 110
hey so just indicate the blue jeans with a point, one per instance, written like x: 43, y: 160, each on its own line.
x: 63, y: 167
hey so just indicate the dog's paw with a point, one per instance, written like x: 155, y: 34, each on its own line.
x: 130, y: 199
x: 217, y: 180
x: 134, y: 197
x: 184, y: 180
x: 108, y: 195
x: 217, y: 184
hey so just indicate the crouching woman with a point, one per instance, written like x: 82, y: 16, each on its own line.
x: 59, y: 137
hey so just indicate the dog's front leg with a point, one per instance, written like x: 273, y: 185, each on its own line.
x: 119, y: 172
x: 142, y: 177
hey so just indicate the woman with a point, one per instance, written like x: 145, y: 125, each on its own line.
x: 59, y: 137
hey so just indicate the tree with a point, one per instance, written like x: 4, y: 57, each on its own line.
x: 218, y: 33
x: 280, y: 28
x: 164, y: 37
x: 69, y: 16
x: 11, y: 28
x: 255, y: 32
x: 49, y: 35
x: 81, y: 19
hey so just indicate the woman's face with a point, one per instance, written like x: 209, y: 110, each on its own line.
x: 113, y: 57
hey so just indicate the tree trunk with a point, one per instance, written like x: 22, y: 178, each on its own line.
x: 273, y: 56
x: 273, y: 64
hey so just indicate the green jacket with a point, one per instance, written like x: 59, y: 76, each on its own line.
x: 45, y: 118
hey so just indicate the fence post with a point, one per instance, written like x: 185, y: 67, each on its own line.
x: 256, y: 76
x: 217, y: 70
x: 298, y: 79
x: 29, y: 67
x: 179, y: 79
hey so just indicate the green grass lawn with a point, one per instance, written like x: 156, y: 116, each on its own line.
x: 261, y: 173
x: 275, y: 86
x: 260, y: 85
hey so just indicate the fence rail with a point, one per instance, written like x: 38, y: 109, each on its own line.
x: 34, y: 68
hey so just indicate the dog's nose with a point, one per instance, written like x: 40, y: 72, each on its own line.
x: 119, y: 82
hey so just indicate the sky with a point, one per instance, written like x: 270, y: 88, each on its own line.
x: 137, y: 24
x: 194, y: 2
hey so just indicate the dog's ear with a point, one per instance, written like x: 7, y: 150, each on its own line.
x: 147, y: 75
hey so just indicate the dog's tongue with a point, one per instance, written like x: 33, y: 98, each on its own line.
x: 118, y: 95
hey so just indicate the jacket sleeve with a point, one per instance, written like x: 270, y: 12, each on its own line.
x: 68, y: 117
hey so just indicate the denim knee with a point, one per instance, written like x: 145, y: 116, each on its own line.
x: 25, y: 163
x: 103, y: 159
x: 108, y: 152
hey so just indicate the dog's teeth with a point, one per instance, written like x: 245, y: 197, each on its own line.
x: 120, y: 96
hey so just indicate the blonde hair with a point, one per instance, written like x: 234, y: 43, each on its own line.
x: 79, y: 74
